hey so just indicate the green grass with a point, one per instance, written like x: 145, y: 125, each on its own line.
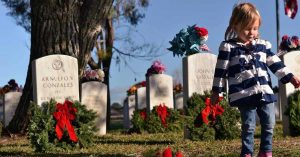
x: 118, y: 144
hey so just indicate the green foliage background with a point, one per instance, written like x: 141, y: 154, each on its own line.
x: 293, y: 111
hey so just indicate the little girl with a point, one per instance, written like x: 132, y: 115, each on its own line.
x: 243, y: 59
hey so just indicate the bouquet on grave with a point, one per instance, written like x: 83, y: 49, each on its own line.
x: 93, y: 75
x: 132, y: 90
x: 55, y: 125
x: 11, y: 86
x: 156, y: 68
x: 177, y: 88
x: 289, y: 43
x: 189, y: 41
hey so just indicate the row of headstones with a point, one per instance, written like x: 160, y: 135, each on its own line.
x: 94, y: 95
x: 158, y: 90
x: 56, y: 76
x: 198, y: 71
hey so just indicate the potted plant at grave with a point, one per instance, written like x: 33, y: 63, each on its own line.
x: 189, y: 41
x: 93, y: 75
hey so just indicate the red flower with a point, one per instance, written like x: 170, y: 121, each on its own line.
x: 179, y: 154
x: 162, y: 112
x: 143, y: 84
x: 167, y: 152
x: 143, y: 114
x: 213, y: 110
x: 201, y: 31
x: 64, y: 114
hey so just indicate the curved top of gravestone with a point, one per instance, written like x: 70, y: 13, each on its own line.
x: 56, y: 55
x: 293, y: 54
x: 203, y: 54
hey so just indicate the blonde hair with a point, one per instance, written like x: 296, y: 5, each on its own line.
x: 243, y: 15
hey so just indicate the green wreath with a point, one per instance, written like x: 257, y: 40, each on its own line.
x: 42, y: 127
x: 293, y: 111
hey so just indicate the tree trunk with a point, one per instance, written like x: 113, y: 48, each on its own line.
x: 107, y: 62
x: 59, y: 27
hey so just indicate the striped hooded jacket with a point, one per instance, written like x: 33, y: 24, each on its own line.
x: 246, y: 70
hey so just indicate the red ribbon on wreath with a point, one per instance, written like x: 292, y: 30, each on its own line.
x: 143, y: 114
x: 162, y: 112
x: 213, y: 110
x: 64, y: 114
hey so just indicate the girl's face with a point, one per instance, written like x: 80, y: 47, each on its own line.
x: 249, y: 33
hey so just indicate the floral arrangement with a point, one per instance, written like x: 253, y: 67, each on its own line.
x: 189, y: 41
x: 289, y: 43
x: 55, y: 125
x: 132, y: 90
x: 160, y: 119
x: 156, y: 68
x: 12, y: 86
x: 93, y: 75
x: 177, y: 88
x: 210, y: 122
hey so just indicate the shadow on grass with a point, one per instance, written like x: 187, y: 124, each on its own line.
x: 22, y: 154
x: 141, y: 142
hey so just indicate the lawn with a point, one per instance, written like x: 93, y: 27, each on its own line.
x: 117, y: 143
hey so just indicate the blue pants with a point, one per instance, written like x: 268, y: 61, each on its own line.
x: 266, y: 114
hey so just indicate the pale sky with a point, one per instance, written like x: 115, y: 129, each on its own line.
x: 163, y: 20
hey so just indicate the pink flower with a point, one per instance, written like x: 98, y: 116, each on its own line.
x: 159, y: 67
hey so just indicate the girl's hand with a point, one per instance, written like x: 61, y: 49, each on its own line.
x: 295, y: 81
x: 214, y: 98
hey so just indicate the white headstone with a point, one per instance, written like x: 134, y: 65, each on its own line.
x: 198, y: 73
x: 141, y: 98
x: 159, y: 90
x: 129, y: 108
x: 55, y: 76
x: 11, y: 100
x: 292, y: 61
x: 178, y: 101
x: 94, y: 96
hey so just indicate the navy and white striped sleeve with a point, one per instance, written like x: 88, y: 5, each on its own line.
x: 221, y: 68
x: 276, y: 65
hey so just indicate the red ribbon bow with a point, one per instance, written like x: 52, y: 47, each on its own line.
x: 162, y: 112
x: 213, y: 110
x: 143, y: 114
x: 168, y: 153
x: 64, y: 114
